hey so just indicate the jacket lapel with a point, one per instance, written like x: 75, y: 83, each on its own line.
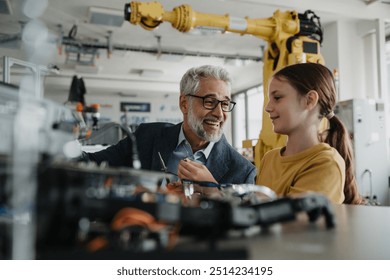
x: 216, y: 163
x: 165, y: 144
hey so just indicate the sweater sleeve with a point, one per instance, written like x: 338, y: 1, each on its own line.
x: 116, y: 155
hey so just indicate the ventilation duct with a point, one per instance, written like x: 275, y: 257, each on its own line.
x: 104, y: 16
x: 5, y: 7
x: 151, y: 73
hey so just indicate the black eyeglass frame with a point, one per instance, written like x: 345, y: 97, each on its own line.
x: 216, y: 104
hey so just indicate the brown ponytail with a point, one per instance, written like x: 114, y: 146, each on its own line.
x: 338, y: 137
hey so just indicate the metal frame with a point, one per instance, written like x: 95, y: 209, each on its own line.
x: 38, y: 71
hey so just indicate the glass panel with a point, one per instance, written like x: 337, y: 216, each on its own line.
x: 239, y: 122
x: 255, y: 112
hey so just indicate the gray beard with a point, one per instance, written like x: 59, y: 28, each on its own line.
x: 197, y: 126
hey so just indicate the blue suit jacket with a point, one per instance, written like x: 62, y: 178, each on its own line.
x: 224, y: 162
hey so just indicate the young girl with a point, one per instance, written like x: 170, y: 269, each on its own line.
x: 301, y: 95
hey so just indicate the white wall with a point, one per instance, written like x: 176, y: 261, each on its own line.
x: 164, y: 108
x: 343, y: 50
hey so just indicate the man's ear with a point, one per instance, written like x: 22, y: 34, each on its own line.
x: 312, y: 99
x: 183, y: 103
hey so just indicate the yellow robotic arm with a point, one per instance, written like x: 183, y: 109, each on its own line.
x: 291, y: 38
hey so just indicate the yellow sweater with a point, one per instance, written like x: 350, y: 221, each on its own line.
x: 317, y: 169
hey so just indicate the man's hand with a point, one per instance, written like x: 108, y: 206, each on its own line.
x: 194, y: 171
x: 175, y: 188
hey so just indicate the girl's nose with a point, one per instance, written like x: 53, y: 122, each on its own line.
x: 268, y: 107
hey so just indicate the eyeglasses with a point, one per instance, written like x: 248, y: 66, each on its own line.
x: 210, y: 103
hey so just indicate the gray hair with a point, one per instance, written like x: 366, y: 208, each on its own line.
x: 189, y: 83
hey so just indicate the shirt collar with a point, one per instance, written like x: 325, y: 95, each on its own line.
x: 206, y: 151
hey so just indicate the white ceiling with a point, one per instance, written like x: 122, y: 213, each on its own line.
x: 124, y: 64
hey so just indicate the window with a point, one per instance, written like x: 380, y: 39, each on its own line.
x: 239, y: 120
x: 255, y: 112
x: 247, y: 115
